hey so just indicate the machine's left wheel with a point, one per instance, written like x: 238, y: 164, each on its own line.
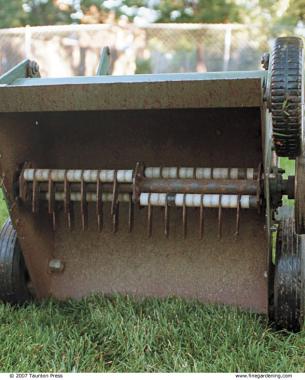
x: 14, y: 277
x: 299, y: 206
x: 288, y: 283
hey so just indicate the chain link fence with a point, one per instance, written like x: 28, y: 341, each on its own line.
x: 157, y: 48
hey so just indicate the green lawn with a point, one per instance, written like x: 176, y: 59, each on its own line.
x: 121, y: 334
x: 3, y: 209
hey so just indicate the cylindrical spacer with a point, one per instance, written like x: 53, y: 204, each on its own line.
x: 200, y: 173
x: 58, y: 175
x: 195, y: 200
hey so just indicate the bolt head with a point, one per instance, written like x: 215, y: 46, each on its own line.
x: 265, y: 60
x: 56, y: 266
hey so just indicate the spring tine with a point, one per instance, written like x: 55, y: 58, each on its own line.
x: 149, y: 217
x: 130, y: 214
x: 50, y: 194
x: 66, y: 196
x: 21, y: 185
x: 114, y: 193
x: 259, y: 177
x: 220, y: 218
x: 115, y: 203
x: 99, y: 204
x: 83, y: 203
x: 54, y: 220
x: 51, y: 201
x: 115, y: 218
x: 23, y: 188
x: 34, y: 193
x: 67, y: 200
x: 71, y: 217
x: 166, y: 218
x: 201, y: 216
x: 184, y: 217
x: 237, y: 216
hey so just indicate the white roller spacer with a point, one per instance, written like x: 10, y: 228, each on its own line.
x: 197, y: 173
x: 90, y: 197
x: 156, y: 199
x: 250, y: 173
x: 194, y: 200
x: 203, y: 173
x: 58, y: 175
x: 186, y: 173
x: 125, y: 176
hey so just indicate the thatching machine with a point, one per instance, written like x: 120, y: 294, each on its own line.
x: 156, y: 185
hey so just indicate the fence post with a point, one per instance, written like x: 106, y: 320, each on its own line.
x: 227, y: 47
x: 27, y: 41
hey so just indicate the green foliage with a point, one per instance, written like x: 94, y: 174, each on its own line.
x: 119, y: 334
x: 295, y: 12
x: 3, y: 209
x: 48, y: 12
x: 34, y: 12
x: 267, y: 13
x: 206, y: 11
x: 143, y: 66
x: 11, y: 14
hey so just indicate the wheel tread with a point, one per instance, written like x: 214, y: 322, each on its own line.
x: 286, y: 95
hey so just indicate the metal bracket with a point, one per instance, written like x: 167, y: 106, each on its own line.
x: 24, y: 69
x: 104, y: 63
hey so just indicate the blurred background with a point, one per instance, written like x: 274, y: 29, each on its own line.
x: 145, y: 36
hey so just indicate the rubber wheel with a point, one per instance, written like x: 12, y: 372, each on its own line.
x: 288, y: 287
x: 13, y: 273
x: 299, y: 190
x: 286, y: 96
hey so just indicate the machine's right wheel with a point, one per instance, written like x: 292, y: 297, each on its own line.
x: 288, y: 290
x: 13, y: 273
x: 287, y: 96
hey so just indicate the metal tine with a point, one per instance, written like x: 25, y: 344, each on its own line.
x: 99, y: 203
x: 54, y: 221
x: 130, y: 214
x: 115, y: 203
x: 50, y: 194
x: 34, y: 193
x: 115, y: 219
x: 237, y: 216
x: 149, y: 217
x: 184, y: 217
x: 201, y: 218
x: 23, y: 187
x: 114, y: 193
x: 83, y: 203
x: 220, y: 218
x: 259, y: 177
x: 166, y: 217
x: 67, y: 201
x: 51, y: 201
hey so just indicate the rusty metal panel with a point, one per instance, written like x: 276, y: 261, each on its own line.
x: 227, y: 271
x: 230, y: 270
x: 139, y: 92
